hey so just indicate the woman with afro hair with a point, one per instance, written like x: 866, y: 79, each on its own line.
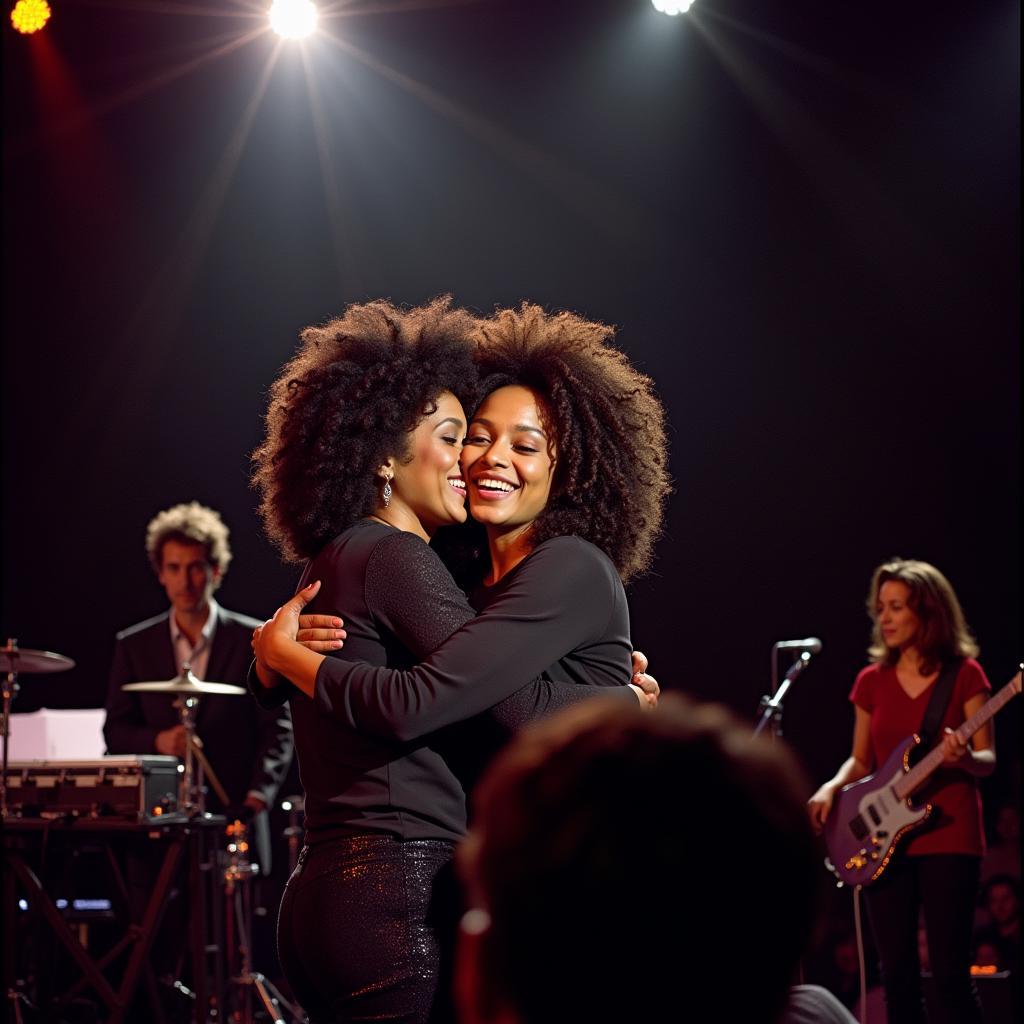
x: 358, y: 472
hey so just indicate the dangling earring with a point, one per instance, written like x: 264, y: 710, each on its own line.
x: 386, y: 493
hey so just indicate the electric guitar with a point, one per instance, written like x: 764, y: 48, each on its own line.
x: 871, y: 816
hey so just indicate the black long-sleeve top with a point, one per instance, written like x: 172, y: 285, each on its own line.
x: 374, y: 753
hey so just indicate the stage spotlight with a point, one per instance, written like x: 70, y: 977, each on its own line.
x: 673, y: 7
x: 30, y: 16
x: 293, y: 19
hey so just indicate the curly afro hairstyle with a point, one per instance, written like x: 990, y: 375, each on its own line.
x: 344, y: 404
x: 611, y: 477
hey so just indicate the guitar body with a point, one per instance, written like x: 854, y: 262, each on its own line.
x: 871, y: 816
x: 868, y: 820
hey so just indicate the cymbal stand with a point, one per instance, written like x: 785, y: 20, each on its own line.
x: 209, y: 775
x: 10, y: 691
x: 192, y: 800
x: 238, y: 877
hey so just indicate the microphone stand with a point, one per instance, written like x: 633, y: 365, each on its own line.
x: 771, y: 712
x: 771, y: 706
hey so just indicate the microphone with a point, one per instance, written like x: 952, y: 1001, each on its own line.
x: 812, y: 645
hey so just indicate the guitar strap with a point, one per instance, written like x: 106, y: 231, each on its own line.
x: 939, y: 702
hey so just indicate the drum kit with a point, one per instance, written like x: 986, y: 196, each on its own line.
x: 15, y: 660
x: 239, y: 870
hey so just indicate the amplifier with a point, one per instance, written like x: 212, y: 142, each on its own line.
x: 139, y: 788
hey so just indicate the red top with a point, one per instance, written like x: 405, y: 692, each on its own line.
x: 955, y: 825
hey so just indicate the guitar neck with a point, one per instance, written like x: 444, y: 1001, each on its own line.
x: 917, y: 775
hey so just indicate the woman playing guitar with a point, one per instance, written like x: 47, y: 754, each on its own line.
x: 918, y: 628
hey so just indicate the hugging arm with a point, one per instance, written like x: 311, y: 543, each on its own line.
x: 554, y: 604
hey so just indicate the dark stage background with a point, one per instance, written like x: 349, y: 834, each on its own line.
x: 803, y: 216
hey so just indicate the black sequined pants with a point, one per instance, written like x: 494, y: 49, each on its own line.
x: 367, y: 928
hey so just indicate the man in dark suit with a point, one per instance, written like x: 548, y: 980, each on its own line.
x: 250, y: 750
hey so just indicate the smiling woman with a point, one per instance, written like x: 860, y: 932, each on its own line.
x: 509, y: 461
x: 358, y: 470
x: 373, y: 398
x: 425, y: 489
x: 561, y: 378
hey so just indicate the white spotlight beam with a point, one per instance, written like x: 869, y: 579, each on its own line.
x: 673, y: 7
x: 293, y: 19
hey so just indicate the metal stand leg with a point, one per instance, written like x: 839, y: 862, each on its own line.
x: 8, y: 691
x: 238, y: 877
x: 117, y: 1002
x: 12, y: 992
x: 16, y: 998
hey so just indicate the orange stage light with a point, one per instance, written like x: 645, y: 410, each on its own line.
x: 30, y: 16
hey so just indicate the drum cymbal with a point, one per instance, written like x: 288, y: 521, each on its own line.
x: 22, y: 660
x: 187, y: 684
